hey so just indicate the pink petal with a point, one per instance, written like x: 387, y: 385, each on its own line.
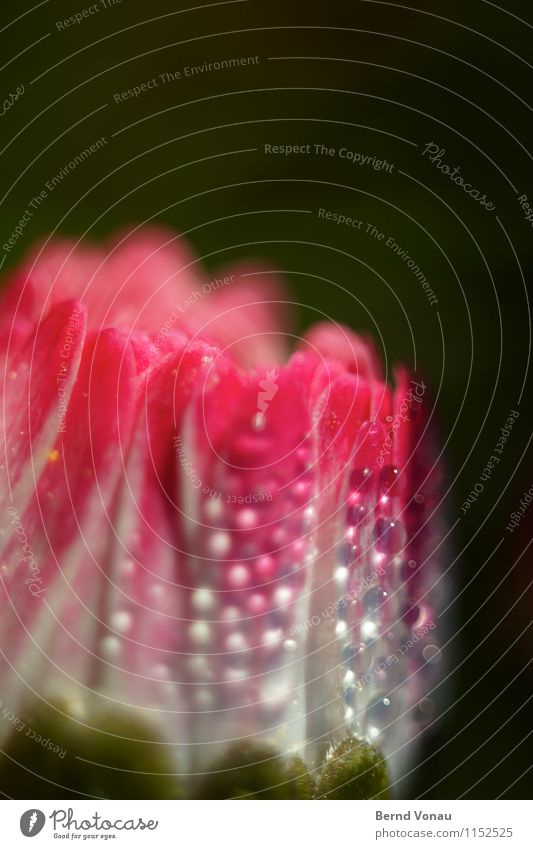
x: 336, y: 342
x: 67, y: 524
x: 36, y: 379
x: 246, y: 314
x: 137, y: 283
x: 245, y: 488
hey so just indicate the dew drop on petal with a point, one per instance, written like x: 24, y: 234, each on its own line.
x: 236, y: 642
x: 272, y: 637
x: 230, y: 614
x: 160, y: 671
x: 361, y: 480
x: 203, y: 698
x: 198, y: 665
x: 203, y: 600
x: 213, y: 509
x: 258, y: 422
x: 127, y: 567
x: 426, y: 707
x: 379, y: 712
x: 389, y: 535
x: 256, y: 604
x: 373, y: 599
x: 355, y: 514
x: 239, y: 576
x: 282, y: 596
x: 340, y: 628
x: 200, y: 632
x: 432, y: 654
x: 368, y: 629
x: 110, y: 647
x: 341, y: 575
x: 246, y: 519
x: 264, y: 567
x: 390, y: 481
x: 121, y: 621
x: 219, y: 544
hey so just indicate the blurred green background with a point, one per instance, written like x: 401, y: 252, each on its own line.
x: 382, y: 80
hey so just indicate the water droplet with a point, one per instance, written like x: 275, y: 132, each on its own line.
x: 213, y: 509
x: 389, y: 535
x: 272, y: 637
x: 258, y: 422
x: 246, y: 519
x: 235, y: 675
x: 347, y: 553
x: 203, y: 698
x: 236, y: 642
x: 256, y: 604
x: 368, y: 629
x: 110, y: 647
x: 283, y: 596
x: 239, y: 576
x: 426, y: 708
x: 199, y: 632
x: 390, y: 481
x: 349, y: 696
x: 411, y: 615
x: 373, y: 599
x: 219, y: 544
x: 379, y: 712
x: 342, y: 608
x: 158, y: 591
x: 341, y: 575
x: 349, y: 653
x: 203, y: 600
x: 361, y: 480
x: 348, y: 678
x: 361, y: 658
x: 264, y: 567
x: 309, y: 517
x: 301, y: 490
x: 230, y: 613
x: 198, y: 665
x: 160, y: 671
x: 355, y: 514
x: 370, y: 441
x: 432, y: 653
x: 121, y: 621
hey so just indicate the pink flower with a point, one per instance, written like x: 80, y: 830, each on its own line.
x: 201, y: 531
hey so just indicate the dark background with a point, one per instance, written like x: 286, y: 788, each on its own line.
x: 384, y: 80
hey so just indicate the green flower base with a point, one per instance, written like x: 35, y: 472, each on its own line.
x: 51, y: 756
x: 355, y: 770
x: 48, y: 755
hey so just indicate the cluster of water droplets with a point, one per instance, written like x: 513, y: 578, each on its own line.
x: 249, y: 553
x: 386, y: 616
